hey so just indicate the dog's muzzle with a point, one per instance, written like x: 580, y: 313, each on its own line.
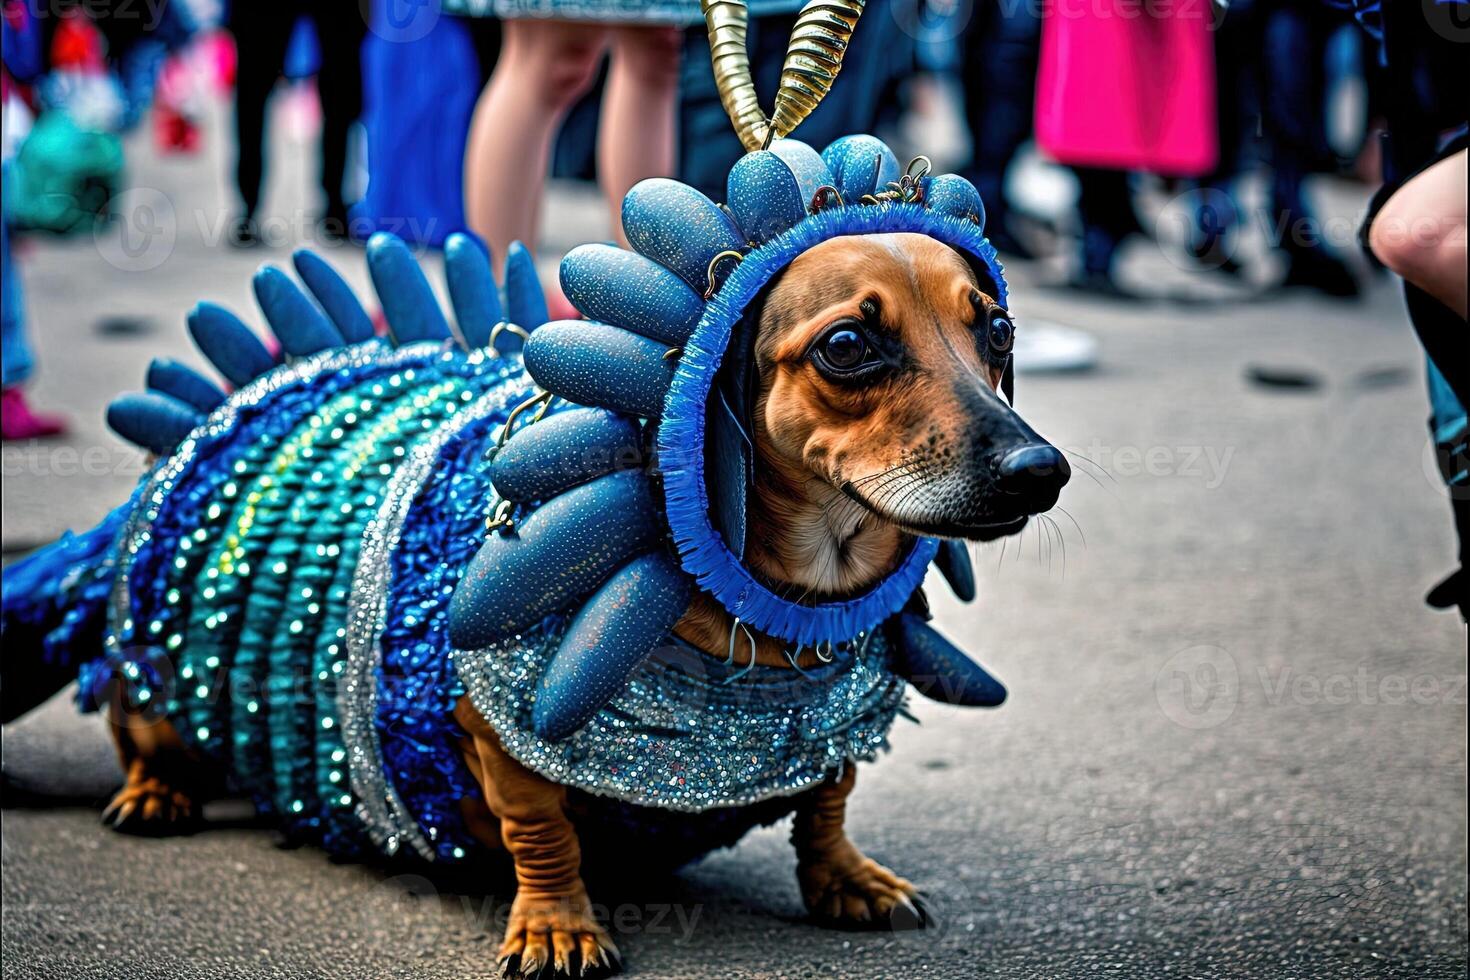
x: 1030, y: 478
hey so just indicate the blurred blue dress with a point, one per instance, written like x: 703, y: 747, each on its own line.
x: 420, y: 83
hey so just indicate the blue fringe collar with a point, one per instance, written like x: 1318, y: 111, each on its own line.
x: 681, y: 436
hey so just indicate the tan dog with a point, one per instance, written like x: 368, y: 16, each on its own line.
x: 876, y: 418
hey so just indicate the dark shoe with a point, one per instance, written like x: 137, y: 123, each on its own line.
x: 1214, y: 254
x: 1316, y: 268
x: 1094, y: 271
x: 1453, y: 591
x: 245, y: 233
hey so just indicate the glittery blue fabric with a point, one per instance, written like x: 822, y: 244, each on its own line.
x: 691, y: 733
x: 417, y: 686
x: 246, y: 661
x: 262, y: 421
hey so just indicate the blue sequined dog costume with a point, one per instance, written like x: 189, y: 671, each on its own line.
x: 325, y: 560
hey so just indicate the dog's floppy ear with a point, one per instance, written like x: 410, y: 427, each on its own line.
x: 729, y: 452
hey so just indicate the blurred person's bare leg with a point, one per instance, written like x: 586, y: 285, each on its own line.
x: 1420, y: 232
x: 544, y: 67
x: 635, y: 139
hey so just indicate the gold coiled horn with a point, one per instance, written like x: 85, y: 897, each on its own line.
x: 813, y: 58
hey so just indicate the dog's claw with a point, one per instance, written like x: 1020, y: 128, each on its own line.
x: 110, y: 816
x: 918, y: 909
x: 148, y: 806
x: 555, y: 938
x: 531, y: 966
x: 863, y: 895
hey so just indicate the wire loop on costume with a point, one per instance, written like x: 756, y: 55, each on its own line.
x: 820, y: 198
x: 730, y: 651
x: 543, y: 398
x: 792, y: 656
x: 909, y: 188
x: 728, y: 253
x: 505, y: 326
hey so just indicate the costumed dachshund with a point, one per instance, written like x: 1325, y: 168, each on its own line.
x: 638, y: 582
x: 876, y: 418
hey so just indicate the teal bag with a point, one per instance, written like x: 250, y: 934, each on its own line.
x: 63, y: 176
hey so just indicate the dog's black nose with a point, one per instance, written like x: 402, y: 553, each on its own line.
x: 1035, y: 472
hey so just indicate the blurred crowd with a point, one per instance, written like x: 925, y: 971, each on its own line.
x: 457, y: 111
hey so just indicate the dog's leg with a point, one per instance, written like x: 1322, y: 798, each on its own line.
x: 551, y: 919
x: 840, y: 884
x: 156, y: 765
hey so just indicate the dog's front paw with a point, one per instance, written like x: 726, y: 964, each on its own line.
x: 559, y: 932
x: 855, y: 892
x: 150, y: 806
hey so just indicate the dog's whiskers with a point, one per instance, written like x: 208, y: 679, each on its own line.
x: 1054, y: 531
x: 1081, y: 458
x: 882, y: 473
x: 1074, y: 524
x: 889, y: 477
x: 899, y: 491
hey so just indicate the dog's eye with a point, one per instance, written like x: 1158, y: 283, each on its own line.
x: 844, y: 349
x: 1001, y: 334
x: 843, y: 352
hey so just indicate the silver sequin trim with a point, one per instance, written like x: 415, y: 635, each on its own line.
x: 686, y: 732
x: 380, y: 809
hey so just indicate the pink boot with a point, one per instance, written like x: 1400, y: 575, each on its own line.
x: 17, y: 421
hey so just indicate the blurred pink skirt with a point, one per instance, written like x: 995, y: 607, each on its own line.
x: 1128, y: 85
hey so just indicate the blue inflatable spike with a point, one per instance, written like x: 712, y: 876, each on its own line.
x: 953, y: 194
x: 472, y: 292
x: 178, y: 380
x: 302, y: 328
x: 860, y: 165
x: 565, y: 450
x: 566, y: 548
x: 599, y: 364
x: 525, y: 300
x: 631, y: 291
x: 938, y: 669
x: 335, y: 296
x: 230, y: 346
x: 409, y: 303
x: 771, y: 190
x: 620, y: 625
x: 679, y: 228
x: 953, y: 562
x: 153, y: 420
